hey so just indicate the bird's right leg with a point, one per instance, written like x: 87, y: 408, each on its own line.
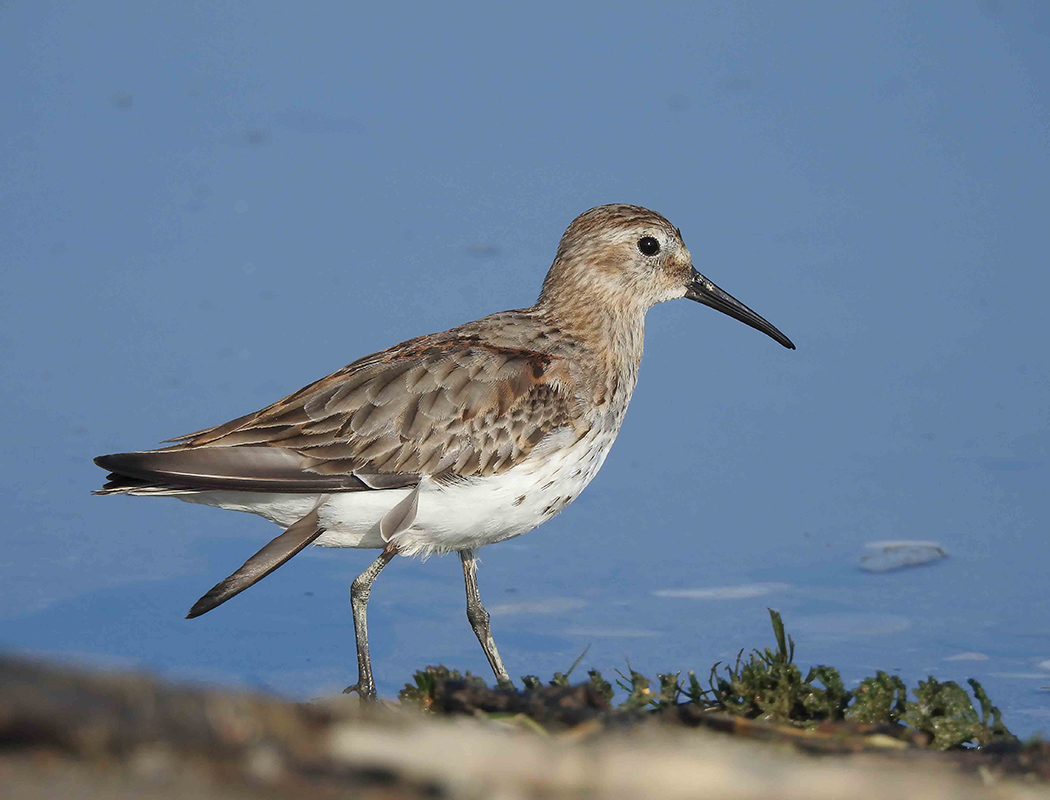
x: 479, y: 619
x: 359, y: 592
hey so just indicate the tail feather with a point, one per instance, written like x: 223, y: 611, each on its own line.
x: 118, y: 483
x: 245, y: 468
x: 273, y: 555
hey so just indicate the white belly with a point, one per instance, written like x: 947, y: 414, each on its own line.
x: 457, y: 516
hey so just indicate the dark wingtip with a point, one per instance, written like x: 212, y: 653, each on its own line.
x: 116, y: 479
x: 121, y: 464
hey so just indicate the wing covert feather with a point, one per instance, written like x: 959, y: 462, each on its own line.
x: 444, y: 408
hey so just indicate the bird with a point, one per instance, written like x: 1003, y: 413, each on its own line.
x: 449, y: 441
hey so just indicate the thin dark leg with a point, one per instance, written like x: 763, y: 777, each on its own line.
x: 359, y: 592
x: 479, y: 618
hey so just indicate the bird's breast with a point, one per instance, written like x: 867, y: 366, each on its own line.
x: 484, y: 510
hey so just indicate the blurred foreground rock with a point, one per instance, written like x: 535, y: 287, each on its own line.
x: 66, y: 732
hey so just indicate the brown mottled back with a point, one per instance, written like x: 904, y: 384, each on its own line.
x: 476, y: 399
x: 465, y: 402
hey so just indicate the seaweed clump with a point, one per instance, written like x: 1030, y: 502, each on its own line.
x: 769, y: 686
x: 766, y: 686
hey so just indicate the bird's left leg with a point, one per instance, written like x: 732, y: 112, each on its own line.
x: 359, y: 592
x: 479, y: 619
x: 396, y: 521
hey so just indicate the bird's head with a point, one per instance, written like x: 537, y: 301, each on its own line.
x: 629, y: 258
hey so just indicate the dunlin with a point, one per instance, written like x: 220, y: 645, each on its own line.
x: 449, y: 441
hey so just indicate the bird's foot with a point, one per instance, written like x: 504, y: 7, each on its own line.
x: 367, y: 691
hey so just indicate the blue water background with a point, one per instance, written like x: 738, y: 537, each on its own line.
x: 204, y: 206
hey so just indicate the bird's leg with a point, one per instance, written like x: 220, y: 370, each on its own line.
x: 359, y: 591
x: 479, y: 619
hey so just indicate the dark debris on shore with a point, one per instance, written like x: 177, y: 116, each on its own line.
x: 760, y: 722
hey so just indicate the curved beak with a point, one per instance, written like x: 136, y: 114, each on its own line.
x: 703, y: 291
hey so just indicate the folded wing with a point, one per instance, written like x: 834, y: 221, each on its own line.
x: 441, y: 408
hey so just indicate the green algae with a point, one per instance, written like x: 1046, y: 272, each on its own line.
x: 768, y: 686
x: 944, y: 711
x: 425, y: 683
x: 879, y: 700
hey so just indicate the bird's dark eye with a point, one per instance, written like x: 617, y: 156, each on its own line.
x: 648, y: 246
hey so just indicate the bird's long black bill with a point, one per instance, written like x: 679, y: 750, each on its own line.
x: 703, y: 291
x: 275, y: 553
